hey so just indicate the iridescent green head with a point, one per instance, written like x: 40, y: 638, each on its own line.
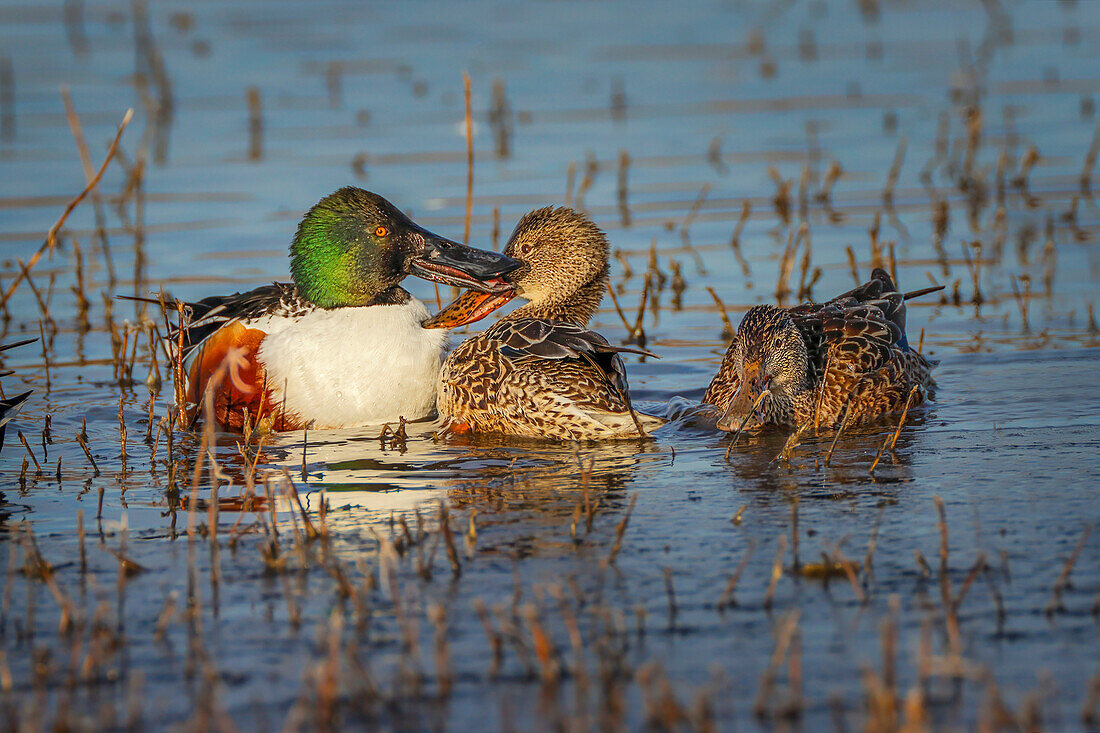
x: 354, y: 245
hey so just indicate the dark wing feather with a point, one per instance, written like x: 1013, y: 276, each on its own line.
x: 204, y: 317
x: 857, y: 335
x: 9, y: 408
x: 14, y: 344
x: 557, y: 340
x: 880, y: 292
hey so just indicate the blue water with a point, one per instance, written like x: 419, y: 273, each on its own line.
x: 709, y: 94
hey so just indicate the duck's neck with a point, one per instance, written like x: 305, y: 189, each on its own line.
x: 577, y: 308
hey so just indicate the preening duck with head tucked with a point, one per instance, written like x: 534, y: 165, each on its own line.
x: 820, y: 363
x: 539, y: 372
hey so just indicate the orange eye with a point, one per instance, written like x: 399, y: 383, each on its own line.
x: 381, y: 232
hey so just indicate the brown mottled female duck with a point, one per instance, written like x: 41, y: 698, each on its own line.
x: 539, y: 372
x: 817, y: 362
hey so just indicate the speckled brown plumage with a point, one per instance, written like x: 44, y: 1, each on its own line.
x: 539, y: 372
x: 819, y: 360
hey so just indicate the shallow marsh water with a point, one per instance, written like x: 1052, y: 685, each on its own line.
x: 373, y: 623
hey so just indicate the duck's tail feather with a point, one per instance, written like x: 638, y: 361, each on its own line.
x: 621, y: 425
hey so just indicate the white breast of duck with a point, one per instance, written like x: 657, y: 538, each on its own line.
x: 347, y: 367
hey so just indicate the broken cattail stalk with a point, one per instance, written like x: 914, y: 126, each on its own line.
x: 469, y: 120
x: 1090, y: 161
x: 500, y: 119
x: 1031, y: 157
x: 832, y: 175
x: 570, y: 181
x: 1023, y: 300
x: 853, y: 267
x: 777, y: 571
x: 620, y: 530
x: 255, y: 123
x: 81, y: 439
x: 448, y: 538
x: 895, y: 171
x: 23, y: 440
x: 782, y: 198
x: 618, y: 308
x: 637, y: 333
x: 893, y: 439
x: 495, y: 235
x: 728, y: 599
x: 51, y: 235
x: 786, y: 262
x: 784, y: 634
x: 45, y: 354
x: 714, y: 157
x: 796, y: 563
x: 1062, y: 582
x: 735, y: 240
x: 744, y: 422
x: 591, y: 168
x: 7, y: 99
x: 670, y: 592
x: 624, y: 208
x: 728, y: 330
x: 496, y: 643
x: 89, y: 172
x: 832, y: 447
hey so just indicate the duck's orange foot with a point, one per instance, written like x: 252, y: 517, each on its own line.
x: 455, y: 429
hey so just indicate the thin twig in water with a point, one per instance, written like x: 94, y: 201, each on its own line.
x: 893, y: 439
x: 843, y: 424
x: 469, y: 158
x: 51, y: 235
x: 728, y: 330
x: 741, y: 428
x: 621, y: 530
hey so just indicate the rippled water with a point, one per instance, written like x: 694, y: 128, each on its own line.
x: 603, y: 570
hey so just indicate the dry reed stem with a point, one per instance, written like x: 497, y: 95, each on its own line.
x: 83, y: 442
x: 735, y: 239
x: 448, y: 537
x: 777, y: 571
x: 570, y: 182
x: 618, y: 308
x: 89, y: 173
x: 853, y: 267
x: 685, y: 228
x: 892, y: 440
x: 895, y: 171
x: 1063, y: 582
x: 728, y: 600
x: 745, y: 421
x: 784, y: 634
x: 622, y: 188
x: 1090, y: 160
x: 51, y: 235
x: 23, y: 440
x: 469, y: 120
x: 637, y: 333
x: 836, y: 438
x: 620, y: 530
x: 728, y: 330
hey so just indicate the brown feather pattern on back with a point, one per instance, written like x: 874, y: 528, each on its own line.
x: 539, y: 372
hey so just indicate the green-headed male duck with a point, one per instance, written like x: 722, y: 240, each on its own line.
x: 344, y: 344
